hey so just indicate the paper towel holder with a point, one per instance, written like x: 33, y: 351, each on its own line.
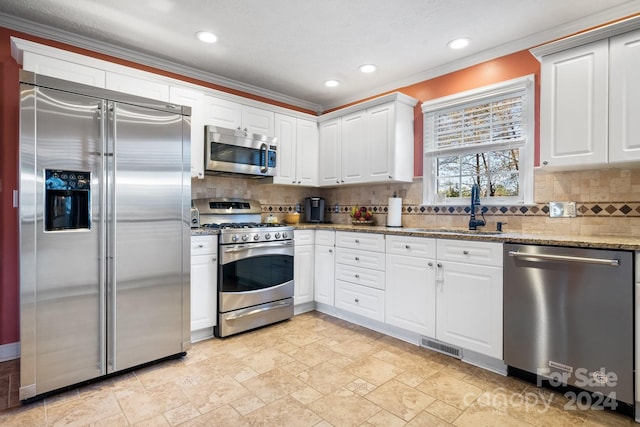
x: 394, y: 213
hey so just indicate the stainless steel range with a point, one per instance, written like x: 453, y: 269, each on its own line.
x: 255, y: 279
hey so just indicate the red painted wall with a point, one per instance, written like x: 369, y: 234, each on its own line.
x: 505, y: 68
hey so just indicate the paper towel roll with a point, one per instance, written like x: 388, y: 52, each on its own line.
x: 394, y: 216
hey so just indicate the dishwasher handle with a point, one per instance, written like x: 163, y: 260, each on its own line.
x: 584, y: 260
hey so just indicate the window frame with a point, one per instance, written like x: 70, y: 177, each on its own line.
x: 524, y: 85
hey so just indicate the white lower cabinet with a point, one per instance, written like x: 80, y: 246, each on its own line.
x: 324, y: 267
x: 303, y: 263
x: 360, y: 274
x: 469, y: 295
x: 204, y: 286
x: 410, y: 301
x: 359, y: 299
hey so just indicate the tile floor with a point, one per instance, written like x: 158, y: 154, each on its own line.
x: 313, y: 370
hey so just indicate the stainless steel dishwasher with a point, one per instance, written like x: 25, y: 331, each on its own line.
x: 568, y: 320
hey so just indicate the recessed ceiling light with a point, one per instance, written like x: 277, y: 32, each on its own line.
x: 331, y: 83
x: 458, y: 43
x: 206, y: 37
x: 367, y: 68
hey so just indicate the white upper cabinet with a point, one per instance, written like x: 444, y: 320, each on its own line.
x: 354, y: 147
x: 64, y: 70
x: 330, y: 154
x: 139, y: 86
x: 369, y: 142
x: 573, y: 113
x: 229, y: 114
x: 589, y: 101
x: 194, y: 99
x: 297, y: 141
x: 624, y: 98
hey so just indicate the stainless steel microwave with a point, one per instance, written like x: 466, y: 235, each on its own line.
x: 232, y: 151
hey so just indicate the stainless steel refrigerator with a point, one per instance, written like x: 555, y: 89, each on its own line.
x: 104, y: 204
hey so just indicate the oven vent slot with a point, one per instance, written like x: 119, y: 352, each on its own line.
x: 442, y: 348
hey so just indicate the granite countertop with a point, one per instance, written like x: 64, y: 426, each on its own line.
x: 582, y: 241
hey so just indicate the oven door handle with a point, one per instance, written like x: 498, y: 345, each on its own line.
x: 249, y: 246
x: 253, y: 311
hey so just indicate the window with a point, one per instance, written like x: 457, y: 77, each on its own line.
x: 484, y: 137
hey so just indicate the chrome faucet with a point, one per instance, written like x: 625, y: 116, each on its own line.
x: 475, y: 201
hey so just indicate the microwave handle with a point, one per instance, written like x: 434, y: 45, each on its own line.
x: 263, y: 158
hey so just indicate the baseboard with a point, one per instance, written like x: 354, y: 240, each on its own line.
x: 9, y: 351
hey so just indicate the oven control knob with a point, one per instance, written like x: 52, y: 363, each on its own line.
x: 267, y: 236
x: 277, y: 235
x: 284, y: 234
x: 245, y: 237
x: 256, y: 237
x: 234, y: 238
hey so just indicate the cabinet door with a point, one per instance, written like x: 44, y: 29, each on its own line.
x: 354, y: 147
x: 65, y: 70
x: 193, y: 99
x: 380, y: 128
x: 204, y: 290
x: 410, y: 298
x: 574, y: 111
x: 624, y: 102
x: 330, y: 154
x: 285, y: 131
x: 469, y: 307
x: 223, y: 113
x: 307, y: 152
x: 137, y: 86
x: 303, y: 274
x: 257, y: 120
x: 323, y: 282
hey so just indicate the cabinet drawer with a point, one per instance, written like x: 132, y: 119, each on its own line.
x: 366, y: 241
x: 411, y: 246
x: 324, y: 237
x: 358, y: 258
x: 360, y: 300
x: 203, y: 245
x: 303, y: 237
x: 360, y: 276
x: 471, y: 252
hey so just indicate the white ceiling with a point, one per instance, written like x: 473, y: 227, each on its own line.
x: 286, y: 49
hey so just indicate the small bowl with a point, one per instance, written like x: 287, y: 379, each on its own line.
x: 292, y: 218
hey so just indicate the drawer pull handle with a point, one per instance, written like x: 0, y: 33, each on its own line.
x: 465, y: 252
x: 407, y: 247
x: 357, y: 300
x: 357, y: 276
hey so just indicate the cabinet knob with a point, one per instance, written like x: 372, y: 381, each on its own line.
x: 357, y: 300
x: 545, y: 162
x: 330, y: 251
x: 293, y: 182
x: 357, y: 276
x: 357, y: 259
x: 465, y: 252
x: 439, y: 264
x: 357, y: 241
x: 214, y: 259
x: 430, y: 264
x: 337, y: 181
x: 201, y: 245
x: 342, y: 180
x: 407, y: 247
x: 299, y: 182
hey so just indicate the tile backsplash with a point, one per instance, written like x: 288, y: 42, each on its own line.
x: 607, y: 202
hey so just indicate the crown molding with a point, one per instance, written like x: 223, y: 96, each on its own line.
x: 47, y: 32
